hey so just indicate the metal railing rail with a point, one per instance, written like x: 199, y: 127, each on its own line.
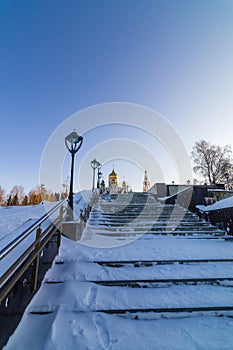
x: 30, y: 256
x: 9, y: 247
x: 11, y: 276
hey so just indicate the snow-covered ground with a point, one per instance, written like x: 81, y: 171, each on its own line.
x: 67, y: 312
x: 12, y: 218
x: 14, y: 221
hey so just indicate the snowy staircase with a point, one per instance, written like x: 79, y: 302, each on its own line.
x: 139, y: 213
x: 127, y: 215
x: 145, y: 276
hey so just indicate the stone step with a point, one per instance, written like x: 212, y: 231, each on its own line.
x: 153, y: 227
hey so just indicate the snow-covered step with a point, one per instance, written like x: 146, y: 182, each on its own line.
x: 93, y: 297
x: 140, y: 230
x: 152, y: 226
x: 93, y: 330
x: 139, y: 270
x: 164, y: 282
x: 114, y: 219
x: 122, y: 233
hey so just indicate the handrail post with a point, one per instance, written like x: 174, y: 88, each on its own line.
x: 36, y: 261
x: 81, y: 222
x: 60, y: 227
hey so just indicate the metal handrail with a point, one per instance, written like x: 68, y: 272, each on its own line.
x: 11, y: 276
x: 9, y: 247
x: 31, y: 254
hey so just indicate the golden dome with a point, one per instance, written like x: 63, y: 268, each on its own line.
x: 113, y: 178
x: 113, y: 175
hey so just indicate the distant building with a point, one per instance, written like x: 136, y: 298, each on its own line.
x: 124, y: 186
x: 146, y: 182
x: 113, y: 186
x: 113, y: 182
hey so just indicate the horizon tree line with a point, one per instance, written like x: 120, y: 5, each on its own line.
x: 17, y: 196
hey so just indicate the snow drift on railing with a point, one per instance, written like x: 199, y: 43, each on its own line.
x: 222, y: 204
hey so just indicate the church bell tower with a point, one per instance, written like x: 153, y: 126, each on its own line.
x: 146, y: 182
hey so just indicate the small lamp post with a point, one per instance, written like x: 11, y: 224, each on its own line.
x: 102, y: 187
x: 94, y: 164
x: 73, y: 143
x: 99, y: 174
x: 227, y: 178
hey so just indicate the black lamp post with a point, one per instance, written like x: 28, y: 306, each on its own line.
x: 227, y: 178
x: 102, y: 187
x: 94, y: 164
x: 99, y: 174
x: 73, y: 143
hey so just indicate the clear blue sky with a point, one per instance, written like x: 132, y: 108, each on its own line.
x: 58, y: 57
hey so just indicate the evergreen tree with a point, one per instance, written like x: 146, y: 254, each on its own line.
x: 19, y: 192
x: 56, y: 196
x: 25, y: 200
x: 9, y: 201
x: 15, y: 200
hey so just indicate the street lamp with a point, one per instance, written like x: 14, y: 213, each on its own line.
x: 73, y: 143
x: 102, y: 187
x: 227, y: 178
x: 94, y: 164
x: 99, y: 174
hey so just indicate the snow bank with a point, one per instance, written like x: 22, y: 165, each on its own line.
x: 81, y: 200
x: 13, y: 217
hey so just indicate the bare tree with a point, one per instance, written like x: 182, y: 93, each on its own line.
x: 41, y: 193
x: 2, y: 195
x: 35, y: 196
x: 212, y: 161
x: 17, y: 192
